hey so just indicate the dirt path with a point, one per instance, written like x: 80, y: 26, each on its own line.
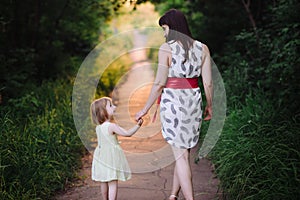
x: 149, y: 156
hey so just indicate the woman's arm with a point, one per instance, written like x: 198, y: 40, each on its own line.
x: 207, y: 82
x: 114, y: 128
x: 164, y: 57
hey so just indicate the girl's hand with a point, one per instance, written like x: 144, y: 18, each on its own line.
x: 140, y: 122
x: 207, y: 113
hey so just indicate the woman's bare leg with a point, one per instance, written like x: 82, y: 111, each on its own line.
x: 176, y: 185
x: 113, y: 190
x: 183, y: 170
x: 104, y: 190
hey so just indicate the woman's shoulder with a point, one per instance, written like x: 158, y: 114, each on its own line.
x: 201, y: 46
x: 165, y: 49
x: 165, y: 46
x: 198, y: 44
x: 205, y: 49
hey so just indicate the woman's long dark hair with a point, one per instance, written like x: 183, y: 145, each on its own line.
x: 179, y: 29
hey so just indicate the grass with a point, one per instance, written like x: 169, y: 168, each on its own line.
x: 258, y: 156
x: 40, y: 148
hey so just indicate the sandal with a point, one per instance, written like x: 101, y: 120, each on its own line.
x: 173, y: 197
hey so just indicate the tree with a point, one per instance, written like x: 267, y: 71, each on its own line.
x: 46, y: 39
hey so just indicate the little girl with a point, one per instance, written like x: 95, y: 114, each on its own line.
x: 109, y: 162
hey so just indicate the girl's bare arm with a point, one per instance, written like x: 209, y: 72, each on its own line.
x: 116, y: 129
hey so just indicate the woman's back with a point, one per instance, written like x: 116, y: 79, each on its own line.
x: 191, y: 68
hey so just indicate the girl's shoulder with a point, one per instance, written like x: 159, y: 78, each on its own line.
x: 107, y: 124
x: 103, y: 125
x: 111, y: 127
x: 104, y: 128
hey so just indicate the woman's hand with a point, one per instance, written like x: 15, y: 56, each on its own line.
x: 139, y: 115
x: 207, y: 113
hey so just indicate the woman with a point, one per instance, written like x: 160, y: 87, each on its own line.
x: 181, y: 61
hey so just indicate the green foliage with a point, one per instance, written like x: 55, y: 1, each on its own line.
x: 47, y: 39
x: 40, y: 148
x: 14, y: 72
x: 112, y: 75
x: 257, y: 156
x: 177, y: 4
x: 269, y: 60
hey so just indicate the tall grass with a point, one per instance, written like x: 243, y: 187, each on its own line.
x: 40, y: 148
x: 258, y: 154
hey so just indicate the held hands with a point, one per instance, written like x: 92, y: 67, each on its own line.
x: 207, y: 113
x: 140, y: 122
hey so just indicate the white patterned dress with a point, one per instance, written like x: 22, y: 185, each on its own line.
x: 180, y: 109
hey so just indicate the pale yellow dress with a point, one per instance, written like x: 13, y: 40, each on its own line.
x: 109, y: 161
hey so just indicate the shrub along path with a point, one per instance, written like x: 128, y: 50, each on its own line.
x: 149, y: 156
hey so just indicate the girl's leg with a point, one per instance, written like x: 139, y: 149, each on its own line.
x: 175, y: 186
x: 104, y: 190
x: 113, y: 190
x: 183, y: 170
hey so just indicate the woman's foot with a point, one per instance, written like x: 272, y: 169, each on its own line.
x: 173, y: 197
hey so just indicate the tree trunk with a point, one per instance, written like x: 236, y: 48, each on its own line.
x: 250, y: 16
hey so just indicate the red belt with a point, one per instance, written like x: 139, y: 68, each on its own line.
x: 182, y: 83
x: 178, y: 83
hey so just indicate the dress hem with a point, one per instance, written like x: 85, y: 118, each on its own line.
x: 108, y: 180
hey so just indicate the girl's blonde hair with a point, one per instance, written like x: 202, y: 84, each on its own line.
x: 98, y: 110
